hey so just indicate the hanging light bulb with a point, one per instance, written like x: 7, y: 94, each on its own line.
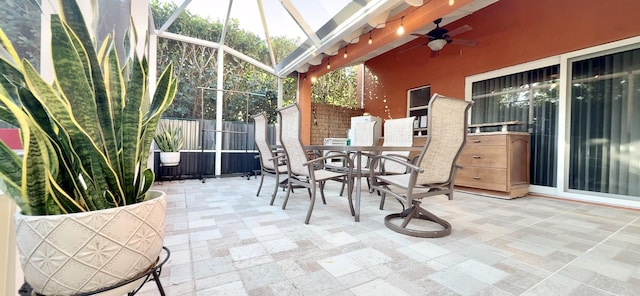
x: 345, y: 55
x: 401, y: 28
x: 314, y: 79
x: 328, y: 63
x: 451, y: 2
x: 370, y: 38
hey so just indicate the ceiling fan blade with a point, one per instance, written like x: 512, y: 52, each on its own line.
x: 420, y: 35
x: 464, y: 42
x: 459, y: 30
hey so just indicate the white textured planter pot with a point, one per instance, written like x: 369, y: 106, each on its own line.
x: 170, y: 158
x: 83, y: 252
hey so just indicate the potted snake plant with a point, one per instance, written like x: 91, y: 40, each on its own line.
x: 88, y: 218
x: 169, y: 140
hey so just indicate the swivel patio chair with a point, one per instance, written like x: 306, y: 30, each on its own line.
x: 305, y: 172
x: 271, y: 164
x: 434, y: 171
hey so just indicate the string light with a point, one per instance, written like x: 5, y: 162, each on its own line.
x: 314, y: 79
x: 401, y: 28
x: 451, y: 2
x: 399, y: 31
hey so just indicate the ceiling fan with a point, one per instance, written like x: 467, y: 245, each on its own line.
x: 439, y: 37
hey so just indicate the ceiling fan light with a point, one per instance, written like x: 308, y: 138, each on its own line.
x: 437, y: 44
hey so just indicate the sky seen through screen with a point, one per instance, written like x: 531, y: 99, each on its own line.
x: 279, y: 22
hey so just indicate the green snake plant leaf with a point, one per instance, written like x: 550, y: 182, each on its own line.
x: 116, y: 91
x: 69, y: 64
x: 148, y: 181
x: 131, y: 125
x: 10, y: 76
x: 165, y: 92
x: 11, y: 182
x: 6, y: 44
x: 74, y: 19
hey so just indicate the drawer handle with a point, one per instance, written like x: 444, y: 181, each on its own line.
x: 476, y: 156
x: 477, y: 141
x: 477, y: 177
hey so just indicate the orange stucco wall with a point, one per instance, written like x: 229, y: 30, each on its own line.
x: 509, y: 32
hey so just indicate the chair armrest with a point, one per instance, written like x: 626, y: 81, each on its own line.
x: 394, y: 158
x: 277, y: 157
x: 315, y: 160
x: 322, y: 159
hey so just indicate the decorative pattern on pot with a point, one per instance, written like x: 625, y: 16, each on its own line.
x: 83, y: 252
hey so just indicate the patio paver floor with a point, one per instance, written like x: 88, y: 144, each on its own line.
x: 226, y: 241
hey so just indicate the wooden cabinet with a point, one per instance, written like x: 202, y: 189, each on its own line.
x: 495, y: 163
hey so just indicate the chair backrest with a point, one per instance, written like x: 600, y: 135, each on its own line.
x: 260, y: 137
x: 447, y: 135
x: 364, y: 134
x: 277, y: 128
x: 290, y: 139
x: 398, y: 132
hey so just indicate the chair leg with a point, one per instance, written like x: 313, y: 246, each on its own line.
x: 350, y: 194
x: 311, y: 204
x: 368, y: 184
x: 261, y: 180
x: 342, y: 189
x: 275, y: 190
x: 286, y: 198
x: 324, y: 201
x: 382, y: 196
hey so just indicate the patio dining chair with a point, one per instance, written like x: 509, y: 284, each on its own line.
x: 305, y: 172
x: 363, y: 135
x: 432, y: 174
x: 271, y: 163
x: 397, y: 133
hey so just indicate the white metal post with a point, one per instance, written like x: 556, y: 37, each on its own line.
x: 219, y: 106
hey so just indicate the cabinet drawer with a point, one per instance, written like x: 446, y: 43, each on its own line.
x: 484, y: 156
x: 484, y: 178
x: 475, y: 140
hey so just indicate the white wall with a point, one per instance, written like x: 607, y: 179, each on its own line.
x: 9, y: 277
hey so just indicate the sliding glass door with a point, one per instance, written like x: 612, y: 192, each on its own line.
x: 530, y: 97
x: 604, y: 150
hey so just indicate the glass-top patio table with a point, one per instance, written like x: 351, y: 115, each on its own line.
x: 359, y: 150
